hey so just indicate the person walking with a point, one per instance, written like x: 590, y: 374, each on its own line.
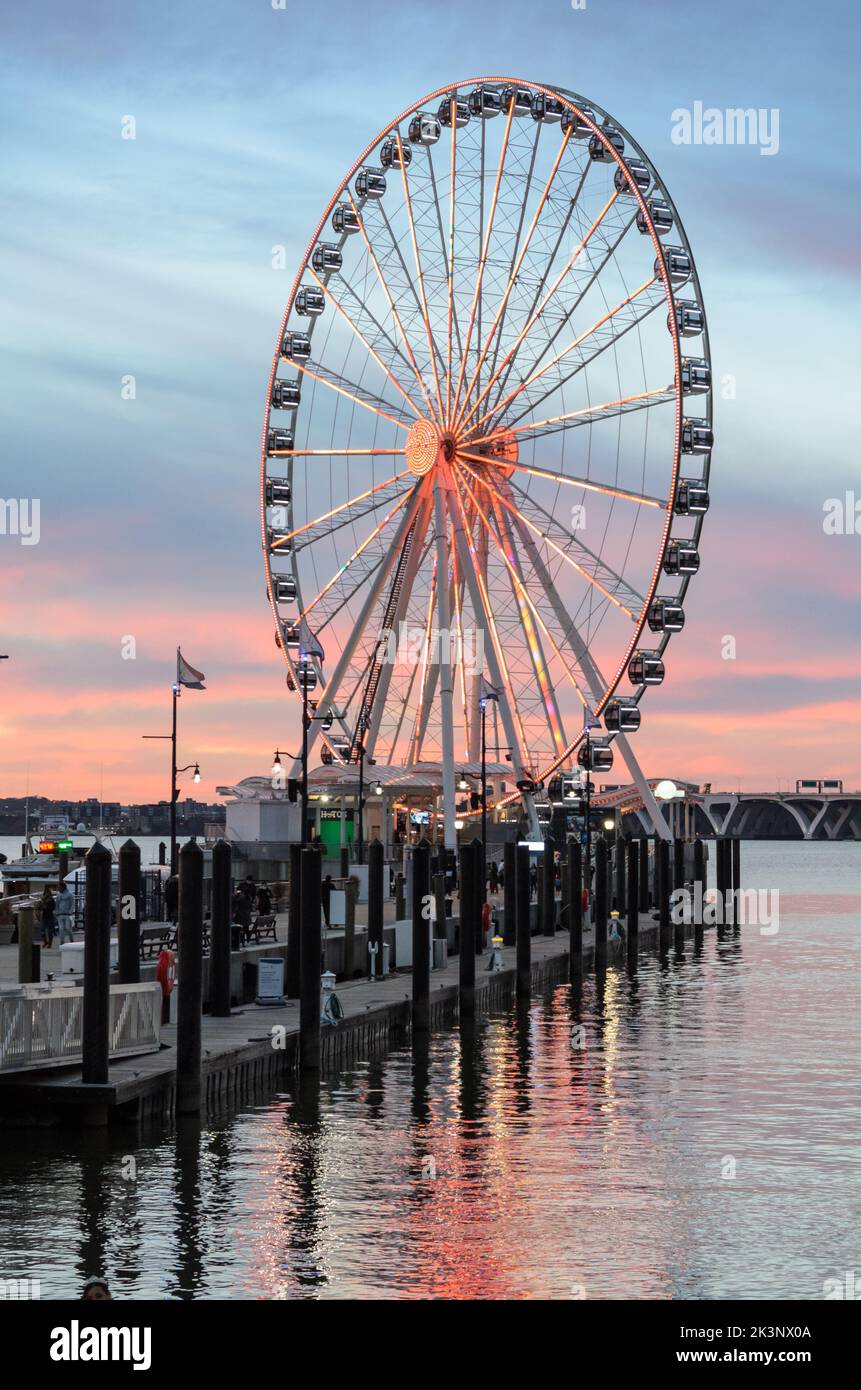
x: 241, y: 911
x: 171, y: 898
x: 49, y: 921
x: 326, y: 897
x: 65, y: 907
x: 264, y: 901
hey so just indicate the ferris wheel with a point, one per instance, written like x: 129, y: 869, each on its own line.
x: 487, y: 442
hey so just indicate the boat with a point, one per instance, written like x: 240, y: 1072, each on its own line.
x: 40, y: 866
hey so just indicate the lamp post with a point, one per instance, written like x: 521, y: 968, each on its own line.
x: 174, y: 774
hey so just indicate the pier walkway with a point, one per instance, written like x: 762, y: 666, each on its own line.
x: 256, y: 1048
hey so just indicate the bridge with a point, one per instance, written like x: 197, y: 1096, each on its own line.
x: 764, y: 815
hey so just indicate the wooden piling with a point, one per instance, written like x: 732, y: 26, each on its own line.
x: 523, y: 924
x: 376, y: 869
x: 310, y: 874
x: 97, y: 966
x: 575, y: 920
x: 25, y: 945
x: 644, y: 874
x: 662, y: 891
x: 468, y: 930
x: 129, y: 912
x: 421, y: 937
x: 292, y: 964
x: 599, y: 913
x: 509, y: 893
x: 549, y: 888
x: 219, y: 931
x: 618, y: 895
x: 190, y: 976
x: 480, y: 890
x: 633, y: 896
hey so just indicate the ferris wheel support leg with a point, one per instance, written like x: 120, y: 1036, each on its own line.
x: 594, y: 679
x: 327, y: 697
x: 379, y: 706
x: 446, y: 685
x: 650, y: 805
x: 466, y: 569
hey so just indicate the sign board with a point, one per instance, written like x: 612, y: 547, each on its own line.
x: 270, y: 980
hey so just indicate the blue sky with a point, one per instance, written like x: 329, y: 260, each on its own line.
x: 153, y: 257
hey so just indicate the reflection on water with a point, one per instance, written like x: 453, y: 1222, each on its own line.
x: 687, y: 1129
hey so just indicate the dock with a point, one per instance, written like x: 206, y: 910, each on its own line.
x: 255, y: 1050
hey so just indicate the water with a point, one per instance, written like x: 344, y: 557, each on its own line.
x: 509, y: 1163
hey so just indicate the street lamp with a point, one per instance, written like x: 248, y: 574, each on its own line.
x: 462, y: 785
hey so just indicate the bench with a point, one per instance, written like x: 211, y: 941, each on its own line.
x: 261, y: 928
x: 154, y: 940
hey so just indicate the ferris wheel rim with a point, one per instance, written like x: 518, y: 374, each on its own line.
x: 582, y: 107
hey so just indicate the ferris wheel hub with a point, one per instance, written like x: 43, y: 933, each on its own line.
x: 427, y: 446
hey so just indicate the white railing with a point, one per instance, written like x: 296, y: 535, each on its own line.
x: 40, y: 1025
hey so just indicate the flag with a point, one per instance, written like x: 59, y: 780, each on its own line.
x: 186, y: 675
x: 486, y: 692
x: 309, y: 647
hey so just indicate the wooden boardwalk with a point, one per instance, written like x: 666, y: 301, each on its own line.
x: 257, y: 1047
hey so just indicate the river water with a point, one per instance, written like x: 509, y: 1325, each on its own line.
x: 697, y: 1139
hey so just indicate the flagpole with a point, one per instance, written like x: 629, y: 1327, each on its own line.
x: 173, y: 787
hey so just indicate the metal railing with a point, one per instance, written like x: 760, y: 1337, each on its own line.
x: 40, y: 1025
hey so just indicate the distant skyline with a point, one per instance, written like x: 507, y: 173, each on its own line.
x: 151, y: 258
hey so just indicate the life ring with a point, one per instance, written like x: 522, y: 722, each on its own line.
x: 165, y: 971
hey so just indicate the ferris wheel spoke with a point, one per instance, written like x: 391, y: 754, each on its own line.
x: 611, y: 584
x: 481, y: 605
x: 378, y: 529
x: 572, y: 481
x: 575, y: 343
x: 314, y: 530
x: 436, y: 356
x: 454, y: 326
x: 536, y: 315
x: 426, y: 676
x: 457, y: 595
x: 482, y: 262
x: 502, y: 539
x: 589, y: 415
x: 592, y: 680
x: 452, y: 315
x: 432, y: 346
x: 496, y: 330
x: 367, y: 346
x: 559, y: 550
x: 397, y: 601
x: 563, y: 227
x: 395, y: 315
x: 328, y: 697
x: 384, y: 343
x: 529, y: 615
x: 360, y: 395
x: 612, y: 247
x: 512, y: 279
x: 606, y: 339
